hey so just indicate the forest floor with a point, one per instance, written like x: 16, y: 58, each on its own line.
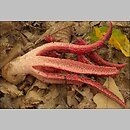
x: 18, y: 38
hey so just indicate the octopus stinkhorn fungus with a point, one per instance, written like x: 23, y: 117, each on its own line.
x: 46, y: 64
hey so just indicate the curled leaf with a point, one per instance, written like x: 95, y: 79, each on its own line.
x: 71, y: 101
x: 39, y: 84
x: 34, y: 97
x: 50, y: 99
x: 10, y: 89
x: 16, y: 50
x: 86, y: 102
x: 52, y: 94
x: 104, y: 102
x: 61, y: 31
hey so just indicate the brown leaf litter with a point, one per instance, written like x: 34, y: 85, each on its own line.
x: 17, y: 38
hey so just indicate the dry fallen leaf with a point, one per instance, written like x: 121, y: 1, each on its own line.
x: 15, y: 51
x: 71, y: 101
x: 39, y: 84
x: 7, y: 88
x: 30, y: 36
x: 22, y: 103
x: 85, y: 92
x: 128, y: 104
x: 50, y: 99
x: 34, y: 97
x: 48, y: 105
x: 5, y: 27
x: 86, y: 102
x: 6, y: 102
x: 61, y: 31
x: 81, y: 28
x: 104, y: 102
x: 53, y: 93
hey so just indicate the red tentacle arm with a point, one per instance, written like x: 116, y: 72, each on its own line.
x: 83, y: 59
x: 49, y: 39
x: 97, y: 59
x: 54, y: 69
x: 76, y: 49
x: 17, y: 69
x: 74, y: 66
x: 74, y: 79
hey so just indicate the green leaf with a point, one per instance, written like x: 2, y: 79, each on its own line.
x: 117, y: 40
